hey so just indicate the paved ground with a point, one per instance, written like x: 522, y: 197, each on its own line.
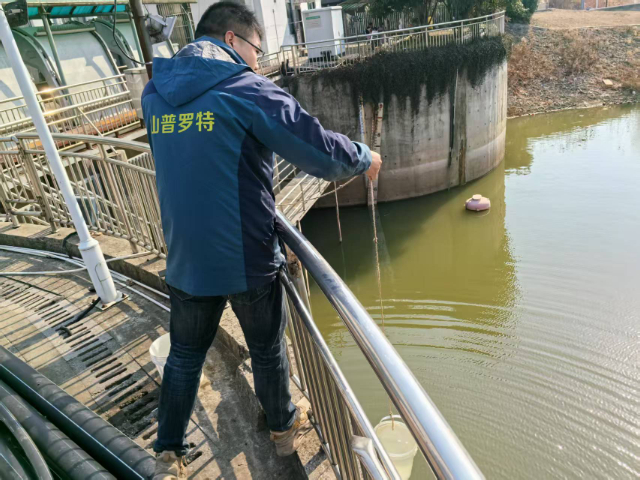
x: 564, y: 19
x: 103, y: 361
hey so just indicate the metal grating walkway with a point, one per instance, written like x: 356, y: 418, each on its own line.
x: 102, y: 360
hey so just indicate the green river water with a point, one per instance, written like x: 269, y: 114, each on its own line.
x: 522, y: 323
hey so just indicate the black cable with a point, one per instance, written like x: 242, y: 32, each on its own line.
x: 26, y: 443
x: 64, y: 243
x: 76, y: 318
x: 115, y: 38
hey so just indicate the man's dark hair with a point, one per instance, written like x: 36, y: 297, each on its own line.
x: 221, y: 17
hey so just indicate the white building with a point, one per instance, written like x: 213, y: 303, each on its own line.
x: 272, y: 15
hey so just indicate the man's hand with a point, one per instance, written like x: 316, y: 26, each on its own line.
x: 376, y: 163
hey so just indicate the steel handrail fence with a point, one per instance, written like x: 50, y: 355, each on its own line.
x: 313, y: 56
x: 95, y: 107
x: 118, y: 197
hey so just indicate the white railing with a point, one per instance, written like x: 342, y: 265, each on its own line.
x: 117, y: 196
x: 96, y: 107
x: 313, y: 56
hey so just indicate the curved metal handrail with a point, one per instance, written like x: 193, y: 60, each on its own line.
x: 452, y: 24
x: 116, y: 142
x: 439, y: 444
x: 446, y: 455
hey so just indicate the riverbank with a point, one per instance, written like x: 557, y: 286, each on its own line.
x: 556, y: 69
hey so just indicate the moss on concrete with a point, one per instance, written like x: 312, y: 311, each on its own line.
x: 405, y: 73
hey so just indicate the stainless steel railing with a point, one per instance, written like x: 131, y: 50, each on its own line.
x: 437, y: 441
x: 314, y: 56
x: 95, y: 107
x: 118, y: 197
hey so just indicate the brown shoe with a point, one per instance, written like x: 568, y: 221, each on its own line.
x: 170, y: 467
x: 288, y: 442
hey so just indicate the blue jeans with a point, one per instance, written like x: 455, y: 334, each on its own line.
x: 193, y: 325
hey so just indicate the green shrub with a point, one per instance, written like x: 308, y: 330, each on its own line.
x: 517, y: 12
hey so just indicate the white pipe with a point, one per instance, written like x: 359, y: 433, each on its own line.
x: 64, y: 272
x: 121, y: 279
x: 89, y: 247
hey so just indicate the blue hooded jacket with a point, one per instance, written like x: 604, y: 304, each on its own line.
x: 213, y: 125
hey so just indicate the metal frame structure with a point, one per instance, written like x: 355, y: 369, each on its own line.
x: 117, y: 196
x: 89, y: 248
x: 296, y: 58
x: 101, y: 106
x: 183, y: 31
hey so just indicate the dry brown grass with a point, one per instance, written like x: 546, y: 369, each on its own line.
x: 553, y: 69
x: 525, y: 64
x: 574, y: 52
x: 578, y: 52
x: 630, y: 77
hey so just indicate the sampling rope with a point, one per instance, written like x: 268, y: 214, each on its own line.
x: 319, y: 196
x: 377, y: 127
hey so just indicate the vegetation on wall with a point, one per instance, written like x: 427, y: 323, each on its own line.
x: 519, y: 11
x: 404, y: 74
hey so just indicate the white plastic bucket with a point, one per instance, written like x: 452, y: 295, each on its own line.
x: 399, y: 444
x: 159, y: 352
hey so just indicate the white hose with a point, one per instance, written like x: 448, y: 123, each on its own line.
x: 120, y: 279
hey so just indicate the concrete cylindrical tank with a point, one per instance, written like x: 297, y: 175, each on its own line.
x: 454, y: 138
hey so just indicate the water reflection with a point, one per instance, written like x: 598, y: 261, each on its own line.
x: 449, y: 281
x: 521, y: 323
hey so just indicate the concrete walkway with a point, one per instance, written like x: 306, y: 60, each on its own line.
x: 103, y: 361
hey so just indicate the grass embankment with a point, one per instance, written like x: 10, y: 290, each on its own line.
x: 559, y: 69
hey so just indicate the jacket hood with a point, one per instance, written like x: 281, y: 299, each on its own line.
x: 196, y: 68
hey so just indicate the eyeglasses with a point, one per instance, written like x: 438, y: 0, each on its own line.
x: 259, y: 51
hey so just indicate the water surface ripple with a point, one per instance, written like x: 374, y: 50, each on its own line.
x: 523, y: 324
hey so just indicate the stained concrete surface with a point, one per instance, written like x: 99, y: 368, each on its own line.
x: 227, y: 443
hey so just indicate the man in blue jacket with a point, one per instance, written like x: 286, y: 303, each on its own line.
x: 213, y: 125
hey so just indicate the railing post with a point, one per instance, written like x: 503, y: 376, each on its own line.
x: 294, y: 51
x: 5, y: 205
x: 116, y: 192
x: 52, y: 44
x: 36, y: 184
x: 135, y: 36
x: 187, y: 16
x: 89, y: 247
x: 363, y: 448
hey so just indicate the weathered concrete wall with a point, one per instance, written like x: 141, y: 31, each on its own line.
x: 416, y: 146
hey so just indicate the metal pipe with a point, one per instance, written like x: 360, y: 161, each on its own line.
x: 115, y: 142
x: 187, y: 16
x: 142, y: 34
x: 26, y: 443
x: 63, y: 456
x: 57, y: 89
x: 52, y: 44
x: 135, y: 34
x: 106, y: 444
x: 89, y: 247
x: 13, y: 465
x: 363, y: 447
x: 437, y: 441
x: 343, y: 386
x: 408, y: 30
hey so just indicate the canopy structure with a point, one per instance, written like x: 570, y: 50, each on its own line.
x: 52, y: 46
x: 351, y: 6
x: 83, y: 8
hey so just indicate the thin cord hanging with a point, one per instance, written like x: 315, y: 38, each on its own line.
x: 375, y: 242
x: 379, y: 278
